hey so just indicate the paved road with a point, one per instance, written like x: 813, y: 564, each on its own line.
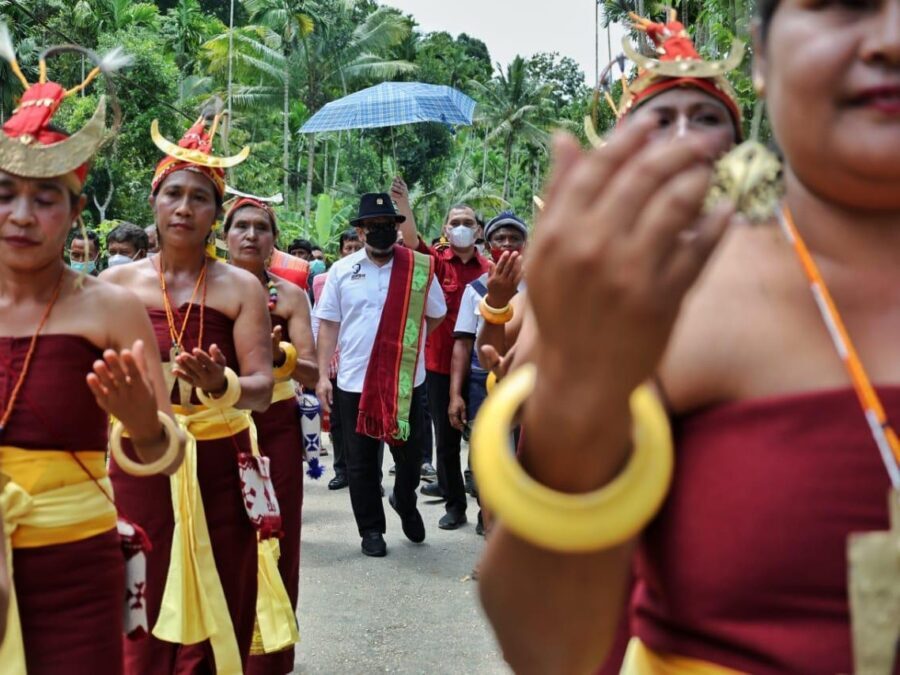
x: 414, y: 611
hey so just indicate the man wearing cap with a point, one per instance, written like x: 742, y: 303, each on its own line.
x: 455, y: 267
x: 505, y: 233
x: 376, y: 306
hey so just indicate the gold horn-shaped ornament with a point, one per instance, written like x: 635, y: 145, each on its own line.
x: 195, y: 156
x: 686, y: 67
x: 33, y: 160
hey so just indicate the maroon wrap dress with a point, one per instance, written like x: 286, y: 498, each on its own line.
x: 745, y: 565
x: 281, y: 440
x: 148, y: 502
x: 70, y: 595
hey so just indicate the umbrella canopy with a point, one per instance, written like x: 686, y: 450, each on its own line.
x: 393, y: 103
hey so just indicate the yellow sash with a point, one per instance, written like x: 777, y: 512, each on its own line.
x: 639, y: 660
x: 283, y: 391
x: 276, y: 624
x: 46, y: 499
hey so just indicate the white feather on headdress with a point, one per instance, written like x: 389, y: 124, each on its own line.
x: 115, y: 59
x: 7, y: 51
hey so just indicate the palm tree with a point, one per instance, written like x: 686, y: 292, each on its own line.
x: 513, y: 107
x: 110, y: 16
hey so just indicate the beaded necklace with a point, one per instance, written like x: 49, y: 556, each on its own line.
x: 273, y: 291
x: 7, y: 413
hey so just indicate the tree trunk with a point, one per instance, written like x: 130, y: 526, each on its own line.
x: 286, y: 114
x: 508, y: 163
x: 484, y: 158
x: 337, y: 160
x: 310, y: 173
x: 101, y: 208
x: 325, y: 166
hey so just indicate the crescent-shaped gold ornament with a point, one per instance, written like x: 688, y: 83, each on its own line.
x: 687, y: 67
x: 33, y: 160
x: 591, y: 133
x: 195, y: 156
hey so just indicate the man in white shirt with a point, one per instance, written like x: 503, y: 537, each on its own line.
x: 353, y: 302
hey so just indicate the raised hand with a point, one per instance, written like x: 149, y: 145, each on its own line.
x: 121, y: 387
x: 620, y: 242
x: 400, y: 192
x: 205, y: 370
x: 504, y: 278
x: 277, y: 354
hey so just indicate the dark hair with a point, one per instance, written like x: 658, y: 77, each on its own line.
x: 304, y: 244
x: 348, y: 235
x: 92, y: 236
x: 462, y: 205
x: 316, y: 247
x: 765, y: 10
x: 128, y: 233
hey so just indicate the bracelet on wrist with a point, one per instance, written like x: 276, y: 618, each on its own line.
x: 174, y: 437
x: 571, y: 523
x: 229, y: 397
x: 493, y: 315
x: 286, y: 369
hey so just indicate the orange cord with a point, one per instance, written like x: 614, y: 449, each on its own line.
x: 7, y: 413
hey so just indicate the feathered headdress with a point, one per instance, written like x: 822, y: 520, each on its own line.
x: 194, y: 151
x: 678, y: 64
x: 29, y: 146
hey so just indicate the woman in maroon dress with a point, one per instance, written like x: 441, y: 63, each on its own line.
x: 71, y: 353
x: 213, y: 329
x: 251, y: 231
x: 745, y: 567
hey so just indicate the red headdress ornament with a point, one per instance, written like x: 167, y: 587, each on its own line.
x: 678, y: 64
x: 194, y: 152
x: 29, y: 146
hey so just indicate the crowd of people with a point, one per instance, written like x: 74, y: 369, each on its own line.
x: 155, y: 414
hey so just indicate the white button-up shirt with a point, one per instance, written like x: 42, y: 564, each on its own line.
x: 354, y: 296
x: 470, y: 321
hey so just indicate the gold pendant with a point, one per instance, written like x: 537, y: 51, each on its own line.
x: 750, y: 176
x: 184, y: 388
x: 874, y: 564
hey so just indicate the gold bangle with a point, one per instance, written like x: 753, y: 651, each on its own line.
x: 176, y: 443
x: 286, y: 369
x: 558, y: 521
x: 227, y: 400
x: 494, y: 317
x: 493, y: 310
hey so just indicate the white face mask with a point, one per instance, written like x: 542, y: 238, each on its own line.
x: 462, y: 236
x: 118, y: 259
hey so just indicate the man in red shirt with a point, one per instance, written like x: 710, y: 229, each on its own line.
x: 455, y: 267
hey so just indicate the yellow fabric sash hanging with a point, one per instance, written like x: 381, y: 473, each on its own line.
x: 283, y: 391
x: 276, y: 624
x: 639, y: 660
x: 60, y: 506
x: 194, y: 608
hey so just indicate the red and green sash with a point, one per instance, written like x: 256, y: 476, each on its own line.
x: 388, y: 387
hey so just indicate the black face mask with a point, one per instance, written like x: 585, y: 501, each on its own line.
x: 381, y: 238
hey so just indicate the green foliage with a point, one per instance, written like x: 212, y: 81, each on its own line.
x: 288, y: 58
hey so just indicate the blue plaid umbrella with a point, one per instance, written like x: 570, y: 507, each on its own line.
x: 393, y: 103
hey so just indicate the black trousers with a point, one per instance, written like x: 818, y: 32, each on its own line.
x: 448, y: 441
x: 338, y: 442
x: 364, y: 464
x: 427, y: 440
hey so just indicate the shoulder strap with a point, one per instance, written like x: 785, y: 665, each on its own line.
x: 479, y: 287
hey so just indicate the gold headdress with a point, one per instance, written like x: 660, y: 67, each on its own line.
x: 29, y: 146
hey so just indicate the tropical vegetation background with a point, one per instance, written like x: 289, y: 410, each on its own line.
x: 290, y: 57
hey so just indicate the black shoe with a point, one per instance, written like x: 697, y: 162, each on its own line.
x: 470, y: 485
x: 432, y: 490
x: 393, y: 470
x: 373, y: 544
x: 339, y: 482
x: 479, y: 528
x: 428, y: 471
x: 452, y: 521
x: 413, y: 526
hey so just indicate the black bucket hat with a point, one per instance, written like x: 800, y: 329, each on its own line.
x: 376, y: 205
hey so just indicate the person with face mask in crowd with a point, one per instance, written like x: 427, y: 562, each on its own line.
x: 125, y: 244
x: 152, y: 239
x: 505, y: 236
x: 377, y: 306
x: 84, y: 254
x: 455, y: 267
